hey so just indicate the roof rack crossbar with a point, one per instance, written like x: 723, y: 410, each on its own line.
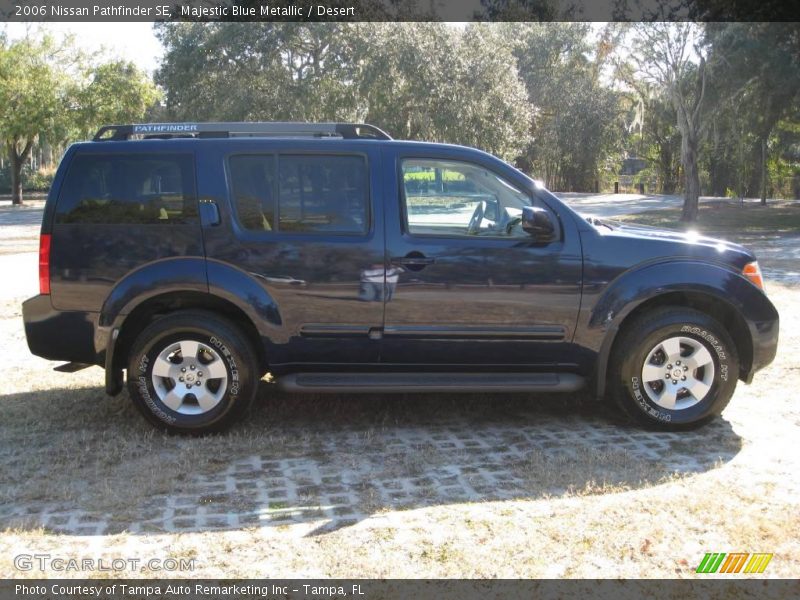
x: 266, y: 129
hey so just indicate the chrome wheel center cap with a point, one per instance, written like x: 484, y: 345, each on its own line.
x: 677, y: 373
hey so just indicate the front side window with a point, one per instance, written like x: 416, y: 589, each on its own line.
x: 453, y: 198
x: 128, y: 189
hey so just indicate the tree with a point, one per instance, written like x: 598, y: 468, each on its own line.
x: 257, y: 71
x: 758, y: 74
x: 117, y: 92
x: 33, y: 99
x: 576, y: 121
x: 419, y: 81
x: 671, y: 56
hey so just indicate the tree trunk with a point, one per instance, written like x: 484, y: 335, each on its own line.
x: 16, y: 177
x: 692, y: 191
x: 16, y: 160
x: 764, y: 170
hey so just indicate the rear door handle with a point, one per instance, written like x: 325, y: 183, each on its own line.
x: 209, y: 213
x: 413, y: 260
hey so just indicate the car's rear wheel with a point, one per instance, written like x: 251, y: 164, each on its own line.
x: 192, y: 372
x: 673, y: 368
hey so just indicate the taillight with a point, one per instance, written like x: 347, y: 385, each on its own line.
x: 44, y: 264
x: 753, y: 272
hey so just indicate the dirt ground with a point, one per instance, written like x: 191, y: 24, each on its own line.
x: 386, y: 486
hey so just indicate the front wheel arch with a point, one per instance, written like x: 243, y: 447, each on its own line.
x: 631, y: 369
x: 710, y: 305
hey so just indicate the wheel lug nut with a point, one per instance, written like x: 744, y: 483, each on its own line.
x: 199, y: 373
x: 674, y: 381
x: 683, y: 378
x: 183, y: 369
x: 666, y: 376
x: 191, y: 367
x: 677, y: 362
x: 180, y: 378
x: 669, y: 366
x: 685, y: 368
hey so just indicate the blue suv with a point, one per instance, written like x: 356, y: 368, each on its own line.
x: 197, y: 258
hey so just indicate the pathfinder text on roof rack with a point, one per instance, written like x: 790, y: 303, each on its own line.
x: 286, y: 129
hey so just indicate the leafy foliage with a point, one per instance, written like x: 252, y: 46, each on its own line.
x: 50, y: 94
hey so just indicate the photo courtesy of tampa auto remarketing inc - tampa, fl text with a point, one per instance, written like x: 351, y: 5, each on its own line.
x: 390, y: 299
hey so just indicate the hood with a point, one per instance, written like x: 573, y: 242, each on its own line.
x: 655, y: 242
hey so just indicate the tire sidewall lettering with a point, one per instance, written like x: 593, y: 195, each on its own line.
x: 144, y: 391
x: 233, y: 390
x: 636, y: 390
x: 716, y: 345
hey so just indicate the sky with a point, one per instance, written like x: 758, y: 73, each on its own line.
x: 131, y: 41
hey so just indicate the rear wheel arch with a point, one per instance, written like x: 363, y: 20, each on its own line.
x: 713, y: 306
x: 170, y: 303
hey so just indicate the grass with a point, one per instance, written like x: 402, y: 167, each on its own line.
x: 580, y: 494
x: 727, y: 216
x: 584, y: 503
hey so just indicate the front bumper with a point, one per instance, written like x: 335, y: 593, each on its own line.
x: 764, y: 334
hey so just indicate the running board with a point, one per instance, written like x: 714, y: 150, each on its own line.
x: 430, y: 382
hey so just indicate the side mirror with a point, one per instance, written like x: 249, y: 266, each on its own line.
x: 537, y: 222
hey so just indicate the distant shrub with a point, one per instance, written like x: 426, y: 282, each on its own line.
x: 38, y: 180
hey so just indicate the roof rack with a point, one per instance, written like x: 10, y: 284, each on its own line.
x: 347, y: 131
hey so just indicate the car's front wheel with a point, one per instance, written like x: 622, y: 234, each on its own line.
x: 674, y: 368
x: 192, y: 372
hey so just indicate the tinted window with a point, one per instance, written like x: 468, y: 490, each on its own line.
x: 252, y: 179
x: 125, y: 188
x: 454, y: 198
x: 322, y: 194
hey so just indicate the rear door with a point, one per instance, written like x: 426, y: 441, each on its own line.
x: 305, y: 221
x: 465, y: 284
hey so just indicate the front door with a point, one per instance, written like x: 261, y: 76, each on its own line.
x: 465, y: 284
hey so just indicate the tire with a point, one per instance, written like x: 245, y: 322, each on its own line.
x: 192, y: 372
x: 690, y: 347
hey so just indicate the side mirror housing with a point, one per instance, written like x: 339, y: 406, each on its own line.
x: 538, y: 223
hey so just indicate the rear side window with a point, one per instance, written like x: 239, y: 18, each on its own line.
x: 315, y: 193
x: 323, y: 193
x: 126, y: 188
x: 253, y: 185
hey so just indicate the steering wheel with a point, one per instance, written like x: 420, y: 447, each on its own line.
x: 475, y: 220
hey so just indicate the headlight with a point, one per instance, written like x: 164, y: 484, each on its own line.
x: 753, y: 272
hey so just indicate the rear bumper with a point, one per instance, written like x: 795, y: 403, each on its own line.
x: 59, y: 335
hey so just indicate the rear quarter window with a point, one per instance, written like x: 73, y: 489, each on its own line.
x: 128, y: 188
